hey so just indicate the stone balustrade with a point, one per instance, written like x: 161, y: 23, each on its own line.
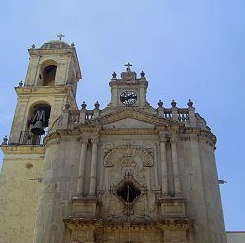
x: 184, y: 115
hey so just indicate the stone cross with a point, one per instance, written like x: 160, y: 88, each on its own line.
x: 60, y: 36
x: 128, y: 65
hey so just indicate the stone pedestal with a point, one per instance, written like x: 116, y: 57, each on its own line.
x: 172, y: 206
x: 84, y: 207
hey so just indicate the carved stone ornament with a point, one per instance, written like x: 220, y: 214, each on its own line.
x: 125, y: 155
x: 128, y: 162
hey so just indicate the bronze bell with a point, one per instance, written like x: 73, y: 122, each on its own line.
x: 38, y: 128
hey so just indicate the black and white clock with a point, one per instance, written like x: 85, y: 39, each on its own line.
x: 128, y: 97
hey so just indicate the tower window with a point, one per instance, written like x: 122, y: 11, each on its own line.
x: 49, y: 73
x: 128, y: 192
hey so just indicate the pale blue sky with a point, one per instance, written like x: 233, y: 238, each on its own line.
x: 188, y: 49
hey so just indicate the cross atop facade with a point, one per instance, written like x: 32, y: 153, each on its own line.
x: 128, y: 65
x: 60, y: 36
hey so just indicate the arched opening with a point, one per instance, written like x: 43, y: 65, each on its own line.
x: 40, y: 118
x: 37, y: 125
x: 128, y: 192
x: 49, y: 73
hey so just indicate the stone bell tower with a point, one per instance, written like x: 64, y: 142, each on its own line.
x: 50, y: 83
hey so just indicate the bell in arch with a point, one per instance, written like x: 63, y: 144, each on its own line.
x: 38, y: 121
x: 38, y: 128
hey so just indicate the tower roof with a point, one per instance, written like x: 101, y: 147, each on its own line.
x: 55, y: 44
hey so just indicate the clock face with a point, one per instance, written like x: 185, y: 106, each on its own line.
x: 128, y: 98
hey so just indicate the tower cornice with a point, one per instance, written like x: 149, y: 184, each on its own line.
x: 23, y: 149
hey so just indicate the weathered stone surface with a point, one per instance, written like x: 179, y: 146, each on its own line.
x: 127, y: 173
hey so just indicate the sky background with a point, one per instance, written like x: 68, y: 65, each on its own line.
x: 188, y: 49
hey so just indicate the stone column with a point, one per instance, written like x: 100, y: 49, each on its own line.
x: 177, y: 188
x: 81, y: 172
x: 93, y: 173
x: 164, y: 168
x: 113, y: 94
x: 191, y: 112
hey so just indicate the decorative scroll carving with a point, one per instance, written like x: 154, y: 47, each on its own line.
x: 128, y: 162
x: 125, y: 155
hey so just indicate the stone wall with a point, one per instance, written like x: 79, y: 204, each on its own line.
x: 58, y: 187
x: 19, y: 189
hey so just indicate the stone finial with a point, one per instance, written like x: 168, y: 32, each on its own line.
x: 190, y: 103
x: 5, y: 140
x: 84, y: 105
x: 20, y: 83
x: 72, y: 44
x: 67, y: 106
x: 33, y: 46
x: 114, y: 75
x: 142, y: 74
x: 160, y: 103
x: 173, y: 103
x: 97, y: 105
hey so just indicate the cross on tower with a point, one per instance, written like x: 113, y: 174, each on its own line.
x: 60, y: 36
x: 128, y: 65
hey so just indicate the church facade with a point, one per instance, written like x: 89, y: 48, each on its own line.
x: 126, y: 173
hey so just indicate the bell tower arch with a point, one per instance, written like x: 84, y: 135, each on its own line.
x: 51, y: 82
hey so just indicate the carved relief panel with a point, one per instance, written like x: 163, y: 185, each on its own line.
x: 127, y: 179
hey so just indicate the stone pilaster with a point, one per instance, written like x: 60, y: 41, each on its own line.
x: 142, y: 93
x: 174, y: 113
x: 82, y: 116
x: 164, y: 168
x: 175, y: 162
x: 114, y: 100
x: 82, y: 163
x: 192, y: 118
x: 93, y: 173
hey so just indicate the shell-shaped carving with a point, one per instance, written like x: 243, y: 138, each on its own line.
x: 126, y: 153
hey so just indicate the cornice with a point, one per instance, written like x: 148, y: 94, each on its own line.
x: 77, y: 133
x: 197, y: 133
x: 41, y: 51
x: 27, y: 90
x: 120, y: 82
x: 133, y: 131
x: 96, y: 223
x: 161, y: 125
x: 23, y: 149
